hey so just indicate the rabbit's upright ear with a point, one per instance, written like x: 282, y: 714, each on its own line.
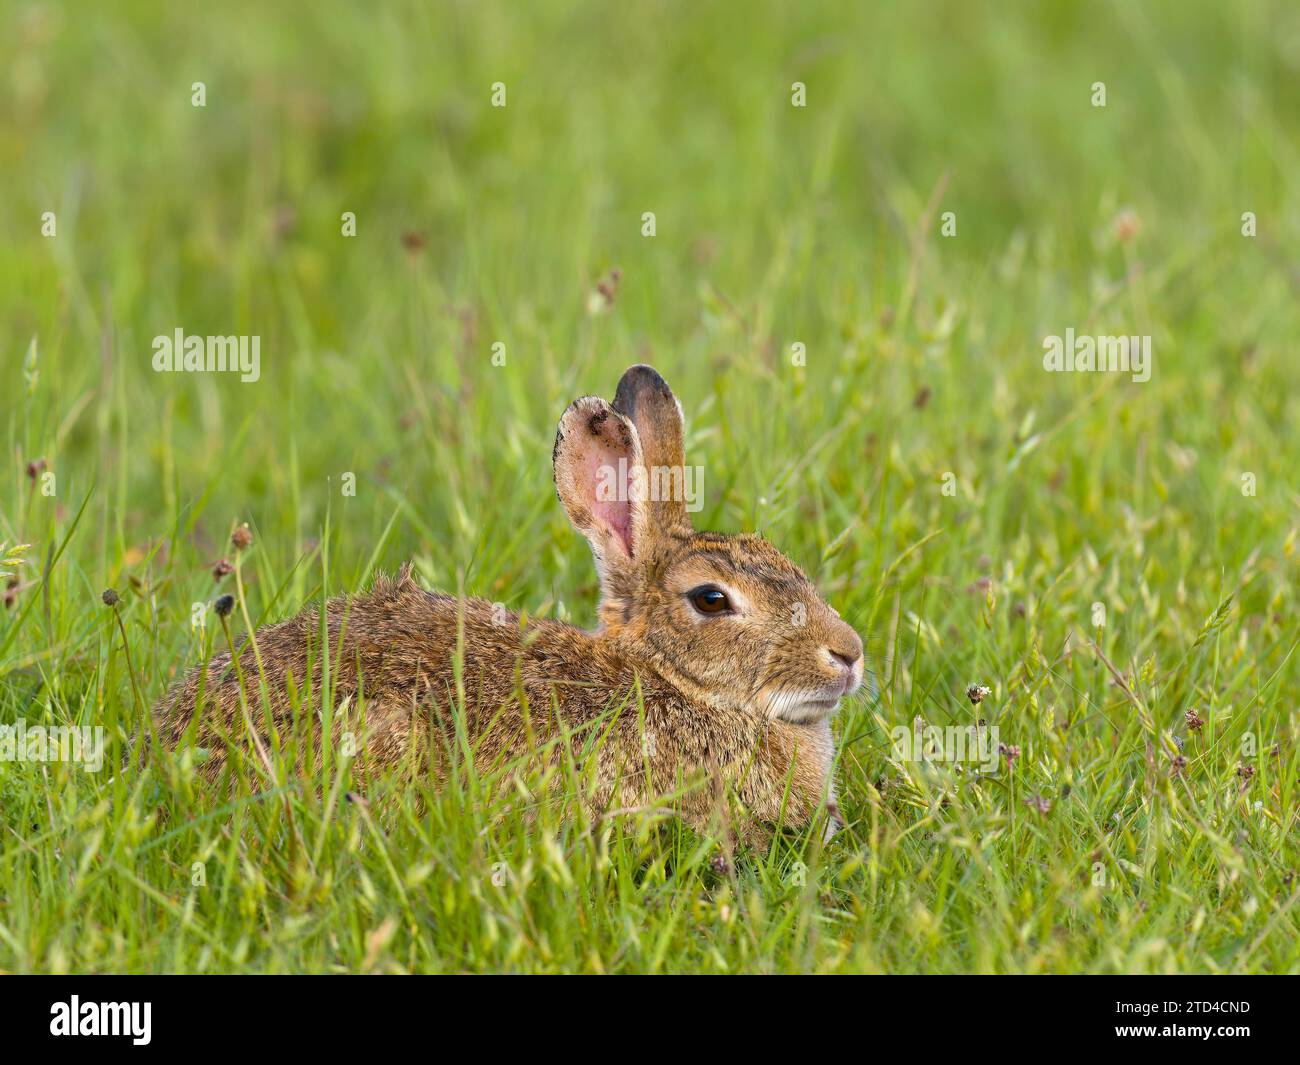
x: 596, y: 456
x: 644, y: 398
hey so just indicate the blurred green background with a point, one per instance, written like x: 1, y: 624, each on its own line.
x: 775, y: 225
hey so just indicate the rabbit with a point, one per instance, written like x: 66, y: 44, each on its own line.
x: 738, y: 661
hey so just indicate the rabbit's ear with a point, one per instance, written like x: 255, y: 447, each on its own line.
x: 644, y: 398
x: 596, y: 455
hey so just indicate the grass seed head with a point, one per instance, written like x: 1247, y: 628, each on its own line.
x: 1127, y: 225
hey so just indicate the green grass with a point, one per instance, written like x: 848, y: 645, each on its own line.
x: 775, y: 225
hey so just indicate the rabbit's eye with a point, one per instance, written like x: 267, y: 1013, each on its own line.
x: 708, y: 599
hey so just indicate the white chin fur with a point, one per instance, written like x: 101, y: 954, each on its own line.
x: 799, y: 709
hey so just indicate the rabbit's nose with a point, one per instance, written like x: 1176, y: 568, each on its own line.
x: 844, y: 652
x: 844, y: 645
x: 848, y: 659
x: 849, y: 662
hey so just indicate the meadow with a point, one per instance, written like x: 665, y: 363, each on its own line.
x: 842, y: 233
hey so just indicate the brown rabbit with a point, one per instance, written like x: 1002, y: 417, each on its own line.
x: 737, y: 660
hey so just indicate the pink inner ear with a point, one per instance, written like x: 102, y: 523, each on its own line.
x: 618, y: 516
x: 609, y: 494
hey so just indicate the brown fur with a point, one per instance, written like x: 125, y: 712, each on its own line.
x: 712, y: 690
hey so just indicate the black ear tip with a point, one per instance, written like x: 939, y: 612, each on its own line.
x: 639, y: 380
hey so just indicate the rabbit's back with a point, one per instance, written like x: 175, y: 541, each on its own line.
x: 392, y: 650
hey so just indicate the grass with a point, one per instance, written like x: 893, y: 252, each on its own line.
x: 974, y: 516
